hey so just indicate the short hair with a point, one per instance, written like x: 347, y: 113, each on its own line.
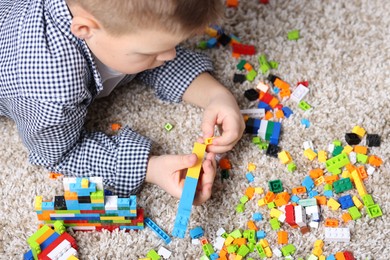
x: 174, y: 16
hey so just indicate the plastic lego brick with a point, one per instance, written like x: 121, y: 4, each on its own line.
x: 337, y: 234
x: 354, y: 212
x: 275, y: 186
x: 374, y: 211
x: 239, y: 78
x: 373, y: 140
x: 342, y: 185
x: 199, y: 149
x: 254, y: 112
x: 335, y: 164
x: 274, y: 138
x: 293, y: 35
x: 244, y: 49
x: 308, y: 183
x: 287, y: 111
x: 161, y: 233
x: 346, y: 201
x: 251, y: 94
x: 288, y: 250
x: 359, y: 131
x: 299, y: 93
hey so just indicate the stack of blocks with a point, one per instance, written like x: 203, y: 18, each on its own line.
x: 48, y: 244
x: 84, y: 207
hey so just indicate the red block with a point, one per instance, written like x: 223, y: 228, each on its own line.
x: 244, y: 49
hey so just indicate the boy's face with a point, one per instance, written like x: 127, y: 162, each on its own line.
x: 135, y: 52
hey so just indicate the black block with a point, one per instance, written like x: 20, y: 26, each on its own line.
x: 273, y: 150
x: 373, y: 140
x: 59, y: 203
x: 239, y: 78
x: 272, y: 78
x: 84, y: 199
x: 224, y: 39
x: 251, y: 94
x: 352, y: 138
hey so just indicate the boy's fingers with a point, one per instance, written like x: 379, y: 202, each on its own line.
x: 208, y: 124
x: 180, y: 161
x: 208, y: 176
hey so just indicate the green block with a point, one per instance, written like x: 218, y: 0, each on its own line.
x: 337, y: 150
x: 97, y: 195
x: 59, y: 227
x: 202, y: 45
x: 304, y: 105
x: 264, y: 68
x: 225, y: 235
x: 263, y: 146
x: 293, y: 35
x: 203, y: 257
x: 275, y: 186
x: 260, y: 250
x: 335, y: 164
x: 251, y: 236
x: 288, y: 249
x: 342, y: 185
x: 236, y: 234
x: 307, y: 202
x: 153, y: 255
x: 263, y: 59
x: 271, y: 205
x: 251, y: 246
x: 367, y: 200
x: 291, y: 167
x: 312, y: 257
x: 241, y: 64
x: 208, y: 249
x: 244, y: 199
x: 354, y: 212
x: 374, y: 211
x: 243, y: 250
x: 274, y: 64
x: 362, y: 158
x: 256, y: 140
x: 327, y: 187
x: 232, y: 249
x: 168, y: 127
x: 251, y: 75
x: 337, y: 143
x: 240, y: 208
x: 269, y: 131
x: 275, y: 225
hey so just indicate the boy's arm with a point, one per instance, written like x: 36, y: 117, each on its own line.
x: 55, y: 138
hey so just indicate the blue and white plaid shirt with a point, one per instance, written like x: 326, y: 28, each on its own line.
x: 48, y: 78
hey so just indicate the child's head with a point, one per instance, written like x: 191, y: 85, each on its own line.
x: 134, y: 35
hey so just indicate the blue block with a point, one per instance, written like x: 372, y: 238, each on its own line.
x: 276, y: 90
x: 161, y: 233
x: 211, y: 43
x: 346, y: 202
x: 312, y: 193
x: 214, y: 256
x: 276, y: 133
x: 330, y: 257
x: 123, y: 203
x: 328, y: 194
x: 48, y: 205
x: 308, y: 183
x: 133, y: 202
x: 28, y: 256
x: 197, y: 232
x: 305, y: 122
x: 257, y: 216
x: 294, y: 198
x: 185, y: 207
x: 49, y: 240
x: 264, y: 105
x: 287, y: 111
x: 131, y: 227
x: 72, y: 205
x: 260, y: 234
x: 249, y: 177
x: 85, y: 206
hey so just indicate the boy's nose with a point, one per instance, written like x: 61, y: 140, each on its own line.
x: 166, y: 56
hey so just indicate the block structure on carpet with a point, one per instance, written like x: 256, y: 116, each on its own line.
x: 85, y: 207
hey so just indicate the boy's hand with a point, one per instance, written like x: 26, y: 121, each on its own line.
x: 223, y: 112
x: 169, y: 172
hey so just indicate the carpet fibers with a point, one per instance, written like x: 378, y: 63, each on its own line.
x: 344, y: 53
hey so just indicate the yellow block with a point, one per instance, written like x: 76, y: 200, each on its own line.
x: 333, y: 204
x: 251, y: 167
x: 284, y: 157
x: 268, y: 251
x: 111, y: 218
x: 264, y: 243
x: 322, y: 156
x: 275, y: 213
x: 84, y: 183
x: 357, y: 202
x: 229, y: 240
x: 359, y: 184
x: 199, y: 150
x: 347, y: 149
x: 310, y: 154
x: 38, y: 203
x: 259, y: 190
x: 319, y: 243
x: 72, y: 257
x: 359, y: 131
x: 261, y: 202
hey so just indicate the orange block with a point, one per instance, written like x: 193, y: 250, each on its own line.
x: 225, y: 164
x: 248, y: 67
x: 269, y: 197
x: 346, y: 217
x: 329, y: 222
x: 282, y: 199
x: 299, y: 190
x: 274, y: 102
x: 239, y: 241
x: 115, y: 127
x: 252, y: 225
x: 330, y: 179
x: 375, y: 160
x: 279, y: 114
x: 350, y: 167
x: 321, y: 200
x: 281, y: 84
x: 362, y: 172
x: 250, y: 192
x: 284, y: 93
x: 316, y: 173
x: 360, y: 149
x: 68, y: 195
x: 268, y: 115
x: 339, y: 256
x: 231, y: 3
x: 204, y: 241
x: 236, y: 55
x: 282, y: 237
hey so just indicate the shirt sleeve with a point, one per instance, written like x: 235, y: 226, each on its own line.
x: 55, y: 138
x: 171, y: 80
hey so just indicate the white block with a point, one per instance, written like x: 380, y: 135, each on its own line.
x: 254, y: 112
x: 59, y: 250
x: 352, y: 157
x: 312, y: 209
x: 370, y: 170
x: 314, y: 224
x: 300, y: 216
x: 111, y: 203
x: 195, y: 241
x: 220, y: 232
x: 337, y: 234
x: 67, y: 181
x: 308, y: 145
x: 282, y: 218
x: 299, y: 93
x: 98, y: 181
x: 277, y: 252
x: 71, y: 251
x: 219, y: 243
x: 330, y: 148
x: 165, y: 253
x: 262, y: 87
x: 263, y: 129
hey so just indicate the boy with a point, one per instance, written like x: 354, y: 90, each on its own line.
x: 58, y: 56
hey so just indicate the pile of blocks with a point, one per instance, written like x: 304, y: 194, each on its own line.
x: 85, y: 207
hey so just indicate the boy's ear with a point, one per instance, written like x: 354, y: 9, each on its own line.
x: 83, y: 27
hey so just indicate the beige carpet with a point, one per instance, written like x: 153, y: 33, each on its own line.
x: 344, y: 53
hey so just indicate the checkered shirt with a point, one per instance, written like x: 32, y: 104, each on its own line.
x: 48, y: 79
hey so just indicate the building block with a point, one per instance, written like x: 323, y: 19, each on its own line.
x: 275, y: 186
x: 342, y: 185
x: 161, y: 233
x: 188, y: 194
x: 337, y: 234
x: 335, y: 164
